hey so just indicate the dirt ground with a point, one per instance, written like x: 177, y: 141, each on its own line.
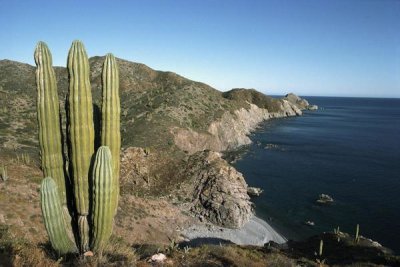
x: 139, y: 220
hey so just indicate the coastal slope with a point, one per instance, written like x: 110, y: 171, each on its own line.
x: 166, y: 119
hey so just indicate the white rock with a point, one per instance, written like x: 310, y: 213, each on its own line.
x: 159, y: 257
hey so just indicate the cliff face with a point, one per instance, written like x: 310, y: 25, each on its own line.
x: 218, y: 191
x: 231, y: 130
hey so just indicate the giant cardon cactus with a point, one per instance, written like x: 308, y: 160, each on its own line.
x: 93, y: 197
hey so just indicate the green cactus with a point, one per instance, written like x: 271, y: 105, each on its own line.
x: 321, y: 247
x: 357, y: 237
x: 48, y: 114
x: 337, y: 232
x: 105, y: 198
x: 4, y: 174
x: 104, y: 194
x: 53, y: 218
x: 81, y: 132
x: 81, y: 129
x: 319, y: 260
x: 111, y: 112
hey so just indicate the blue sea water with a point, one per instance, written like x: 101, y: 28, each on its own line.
x: 349, y: 149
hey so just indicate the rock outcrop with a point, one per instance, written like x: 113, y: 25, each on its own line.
x: 231, y: 130
x: 312, y: 107
x: 218, y: 191
x: 301, y: 103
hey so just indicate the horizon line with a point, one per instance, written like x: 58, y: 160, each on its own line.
x: 259, y: 90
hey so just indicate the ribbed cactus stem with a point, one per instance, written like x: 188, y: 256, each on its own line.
x: 83, y: 228
x: 53, y: 218
x: 48, y: 115
x: 104, y: 199
x: 111, y: 112
x: 321, y: 247
x: 357, y: 237
x: 81, y: 130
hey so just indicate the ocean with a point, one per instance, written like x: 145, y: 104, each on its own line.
x: 348, y: 149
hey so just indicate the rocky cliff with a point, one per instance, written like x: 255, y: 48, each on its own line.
x: 218, y: 193
x: 231, y: 130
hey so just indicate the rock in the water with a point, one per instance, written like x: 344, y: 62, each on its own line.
x: 312, y: 107
x: 254, y: 191
x: 218, y: 190
x: 324, y: 199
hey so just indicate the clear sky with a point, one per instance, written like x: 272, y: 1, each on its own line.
x: 321, y: 47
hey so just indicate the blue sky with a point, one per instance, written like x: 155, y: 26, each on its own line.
x: 337, y: 47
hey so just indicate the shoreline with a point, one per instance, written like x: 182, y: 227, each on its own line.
x: 255, y: 232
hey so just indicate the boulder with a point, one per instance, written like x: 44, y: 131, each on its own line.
x: 218, y: 190
x: 312, y: 107
x: 254, y: 191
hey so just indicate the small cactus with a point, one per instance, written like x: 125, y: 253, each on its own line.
x: 319, y: 260
x: 337, y: 232
x: 321, y: 247
x: 4, y: 173
x: 357, y: 237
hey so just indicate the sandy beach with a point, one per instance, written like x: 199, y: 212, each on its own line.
x: 256, y: 232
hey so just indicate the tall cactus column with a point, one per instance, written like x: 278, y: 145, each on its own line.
x: 110, y: 110
x: 48, y: 114
x: 81, y: 132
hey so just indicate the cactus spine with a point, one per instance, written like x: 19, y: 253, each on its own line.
x: 110, y: 112
x: 104, y: 198
x: 48, y: 114
x: 53, y: 217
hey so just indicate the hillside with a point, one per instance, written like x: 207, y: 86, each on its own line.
x: 151, y: 102
x: 172, y: 129
x: 160, y: 111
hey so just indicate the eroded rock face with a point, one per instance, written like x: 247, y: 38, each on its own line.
x: 231, y: 130
x: 218, y: 191
x: 298, y: 101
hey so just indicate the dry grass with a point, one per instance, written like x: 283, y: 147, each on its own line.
x: 228, y: 255
x: 19, y: 252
